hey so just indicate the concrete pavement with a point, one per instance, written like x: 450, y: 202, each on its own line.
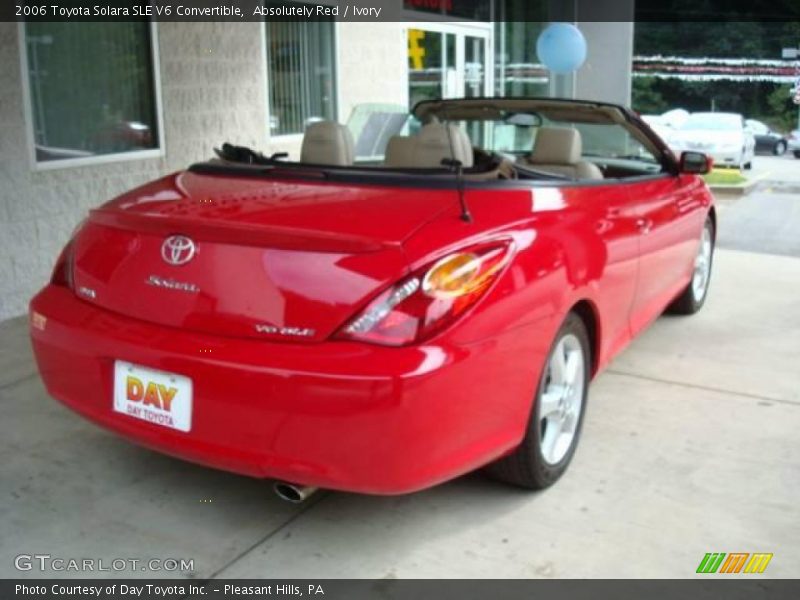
x: 690, y: 446
x: 767, y: 219
x: 781, y: 169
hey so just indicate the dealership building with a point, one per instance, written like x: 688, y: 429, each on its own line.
x: 91, y: 109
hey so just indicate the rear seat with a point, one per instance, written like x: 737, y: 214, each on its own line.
x: 434, y: 142
x: 327, y: 143
x: 400, y: 152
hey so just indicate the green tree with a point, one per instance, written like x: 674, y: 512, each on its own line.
x: 783, y: 112
x: 725, y: 38
x: 646, y: 98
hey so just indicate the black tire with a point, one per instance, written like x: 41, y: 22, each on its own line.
x: 526, y: 467
x: 796, y: 153
x: 688, y: 303
x: 748, y: 165
x: 780, y: 148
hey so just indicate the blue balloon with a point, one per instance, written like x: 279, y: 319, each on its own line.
x: 561, y: 47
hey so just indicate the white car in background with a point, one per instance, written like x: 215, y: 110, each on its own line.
x: 722, y: 136
x: 662, y: 127
x: 676, y: 117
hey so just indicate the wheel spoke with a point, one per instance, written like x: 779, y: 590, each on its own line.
x: 573, y: 364
x: 552, y: 432
x: 570, y: 421
x: 548, y: 403
x: 558, y: 365
x: 563, y: 442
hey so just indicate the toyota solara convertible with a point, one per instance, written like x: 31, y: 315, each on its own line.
x: 383, y: 314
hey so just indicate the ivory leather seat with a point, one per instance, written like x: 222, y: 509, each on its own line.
x: 558, y: 150
x: 426, y: 149
x: 327, y: 143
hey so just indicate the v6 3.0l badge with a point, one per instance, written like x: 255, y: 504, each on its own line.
x: 285, y: 331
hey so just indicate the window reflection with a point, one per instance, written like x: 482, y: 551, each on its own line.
x: 302, y: 74
x: 92, y: 88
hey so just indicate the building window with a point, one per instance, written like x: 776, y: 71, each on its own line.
x: 92, y: 90
x: 301, y: 59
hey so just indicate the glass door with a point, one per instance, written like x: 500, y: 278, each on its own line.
x: 447, y: 61
x: 475, y: 67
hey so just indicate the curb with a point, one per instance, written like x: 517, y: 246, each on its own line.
x: 741, y: 189
x: 733, y: 190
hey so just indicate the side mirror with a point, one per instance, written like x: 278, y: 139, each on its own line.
x: 695, y: 162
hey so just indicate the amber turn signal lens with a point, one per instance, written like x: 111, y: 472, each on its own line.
x: 452, y: 276
x: 463, y: 273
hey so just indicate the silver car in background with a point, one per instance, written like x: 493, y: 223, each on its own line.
x: 722, y: 136
x: 794, y: 143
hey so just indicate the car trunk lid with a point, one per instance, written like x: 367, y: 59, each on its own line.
x: 274, y: 259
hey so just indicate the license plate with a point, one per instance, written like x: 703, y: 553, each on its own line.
x: 154, y: 396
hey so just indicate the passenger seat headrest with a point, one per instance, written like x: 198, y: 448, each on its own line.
x: 400, y: 152
x: 436, y: 141
x: 327, y: 143
x: 556, y: 146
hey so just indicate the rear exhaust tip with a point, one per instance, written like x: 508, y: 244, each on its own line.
x: 290, y: 492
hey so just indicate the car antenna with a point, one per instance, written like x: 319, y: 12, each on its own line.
x: 457, y: 166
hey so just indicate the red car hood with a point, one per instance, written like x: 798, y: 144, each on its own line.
x: 275, y: 259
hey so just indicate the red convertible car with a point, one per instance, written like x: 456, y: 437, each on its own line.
x: 382, y: 325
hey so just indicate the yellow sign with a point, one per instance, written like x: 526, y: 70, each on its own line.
x: 416, y: 52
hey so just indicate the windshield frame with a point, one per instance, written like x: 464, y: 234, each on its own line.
x: 639, y: 130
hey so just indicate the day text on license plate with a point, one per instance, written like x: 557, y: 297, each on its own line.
x: 154, y: 396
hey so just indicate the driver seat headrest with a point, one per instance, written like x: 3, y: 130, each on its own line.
x: 556, y: 146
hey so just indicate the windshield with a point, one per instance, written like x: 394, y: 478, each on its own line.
x: 712, y: 122
x: 599, y: 140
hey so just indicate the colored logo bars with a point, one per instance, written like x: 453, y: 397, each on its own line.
x: 736, y: 562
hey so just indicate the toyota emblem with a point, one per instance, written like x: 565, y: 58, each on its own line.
x: 178, y: 250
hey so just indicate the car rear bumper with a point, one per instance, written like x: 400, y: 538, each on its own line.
x: 336, y: 415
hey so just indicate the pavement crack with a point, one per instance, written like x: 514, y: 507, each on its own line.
x: 307, y: 505
x: 10, y: 384
x: 705, y: 387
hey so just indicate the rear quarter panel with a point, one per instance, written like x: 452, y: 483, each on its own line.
x: 572, y: 244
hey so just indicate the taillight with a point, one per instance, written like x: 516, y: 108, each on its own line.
x: 431, y: 298
x: 62, y: 272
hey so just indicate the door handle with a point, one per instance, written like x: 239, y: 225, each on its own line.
x: 643, y: 225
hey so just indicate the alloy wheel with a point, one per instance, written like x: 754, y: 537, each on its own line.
x: 702, y: 265
x: 561, y: 399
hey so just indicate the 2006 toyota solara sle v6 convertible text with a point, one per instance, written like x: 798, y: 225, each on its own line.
x: 409, y: 301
